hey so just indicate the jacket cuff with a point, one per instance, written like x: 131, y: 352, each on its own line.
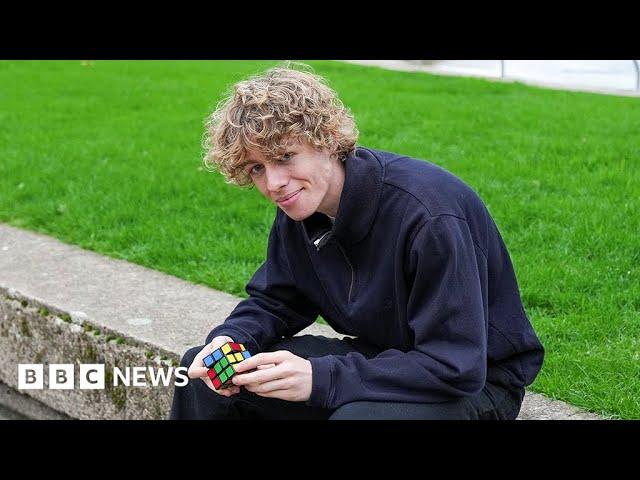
x: 321, y: 381
x: 238, y: 336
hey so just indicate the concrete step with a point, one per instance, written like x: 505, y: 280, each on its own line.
x: 18, y: 406
x: 62, y: 304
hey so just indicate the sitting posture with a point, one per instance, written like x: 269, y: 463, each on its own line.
x: 396, y: 253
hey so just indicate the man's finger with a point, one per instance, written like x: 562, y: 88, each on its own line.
x: 264, y: 358
x: 279, y: 384
x: 225, y: 392
x: 208, y: 382
x: 258, y: 376
x: 282, y: 394
x: 269, y: 365
x: 197, y: 372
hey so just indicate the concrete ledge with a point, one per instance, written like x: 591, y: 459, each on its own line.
x: 18, y: 406
x: 63, y: 304
x: 540, y: 407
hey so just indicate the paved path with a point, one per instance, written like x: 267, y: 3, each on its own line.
x: 535, y: 77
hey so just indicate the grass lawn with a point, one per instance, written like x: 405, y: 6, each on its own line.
x: 108, y: 157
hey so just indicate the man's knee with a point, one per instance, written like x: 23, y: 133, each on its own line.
x: 364, y: 410
x: 291, y: 344
x: 352, y: 411
x: 189, y: 356
x: 196, y: 400
x: 306, y: 346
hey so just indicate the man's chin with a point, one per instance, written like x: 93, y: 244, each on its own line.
x: 295, y: 215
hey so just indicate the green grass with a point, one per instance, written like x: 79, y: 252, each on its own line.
x: 108, y: 157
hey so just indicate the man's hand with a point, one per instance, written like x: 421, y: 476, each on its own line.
x: 279, y: 374
x: 198, y: 370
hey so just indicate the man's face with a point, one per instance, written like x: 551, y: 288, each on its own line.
x: 301, y: 181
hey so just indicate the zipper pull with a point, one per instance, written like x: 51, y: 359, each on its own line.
x: 322, y: 240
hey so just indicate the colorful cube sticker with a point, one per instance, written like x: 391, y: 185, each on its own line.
x: 221, y: 370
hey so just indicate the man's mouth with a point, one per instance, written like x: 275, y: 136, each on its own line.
x: 288, y: 196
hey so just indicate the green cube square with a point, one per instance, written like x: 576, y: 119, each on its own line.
x: 229, y: 371
x: 218, y: 368
x: 224, y: 362
x: 223, y: 377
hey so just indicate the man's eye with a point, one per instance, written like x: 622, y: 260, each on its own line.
x: 286, y: 156
x: 256, y: 169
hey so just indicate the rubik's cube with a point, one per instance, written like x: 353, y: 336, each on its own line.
x: 221, y: 363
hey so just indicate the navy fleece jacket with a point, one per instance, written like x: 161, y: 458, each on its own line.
x: 414, y: 265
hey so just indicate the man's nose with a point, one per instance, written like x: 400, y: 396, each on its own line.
x: 277, y: 177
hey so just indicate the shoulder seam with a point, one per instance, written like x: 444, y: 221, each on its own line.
x: 433, y: 217
x: 386, y: 182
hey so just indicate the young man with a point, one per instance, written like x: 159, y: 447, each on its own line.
x: 395, y: 252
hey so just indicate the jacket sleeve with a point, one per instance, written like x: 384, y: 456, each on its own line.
x: 446, y: 315
x: 275, y: 307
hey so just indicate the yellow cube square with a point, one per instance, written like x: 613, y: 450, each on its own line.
x: 231, y: 358
x: 239, y: 356
x: 226, y: 348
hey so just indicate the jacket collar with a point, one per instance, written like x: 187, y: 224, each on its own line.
x: 358, y: 202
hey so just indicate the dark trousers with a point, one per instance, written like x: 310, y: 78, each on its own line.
x: 196, y: 401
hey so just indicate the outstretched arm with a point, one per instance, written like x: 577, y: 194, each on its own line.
x: 275, y: 307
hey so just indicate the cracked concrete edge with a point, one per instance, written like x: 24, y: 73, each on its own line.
x: 34, y: 331
x: 23, y: 407
x: 28, y: 334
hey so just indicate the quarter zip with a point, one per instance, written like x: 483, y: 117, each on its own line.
x: 325, y: 238
x: 319, y: 241
x: 352, y: 271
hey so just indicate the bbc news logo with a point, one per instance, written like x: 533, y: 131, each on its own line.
x: 92, y: 376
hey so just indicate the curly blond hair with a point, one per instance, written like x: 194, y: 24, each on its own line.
x: 269, y: 109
